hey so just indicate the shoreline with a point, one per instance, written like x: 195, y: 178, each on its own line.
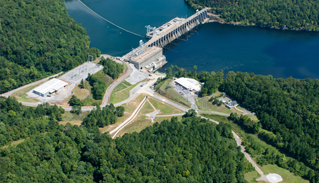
x: 222, y: 21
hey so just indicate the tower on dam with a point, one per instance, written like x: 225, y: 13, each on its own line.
x: 149, y: 56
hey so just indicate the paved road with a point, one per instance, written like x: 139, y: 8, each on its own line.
x: 170, y: 115
x: 214, y: 112
x: 248, y: 157
x: 114, y: 84
x: 114, y: 132
x: 7, y: 94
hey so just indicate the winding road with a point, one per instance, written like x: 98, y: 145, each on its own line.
x: 145, y: 89
x: 110, y: 89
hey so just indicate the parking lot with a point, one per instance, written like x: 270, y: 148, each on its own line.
x: 186, y: 94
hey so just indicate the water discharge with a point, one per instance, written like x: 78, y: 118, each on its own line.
x: 211, y: 47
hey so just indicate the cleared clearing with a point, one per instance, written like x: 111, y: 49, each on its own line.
x: 129, y: 108
x: 287, y: 176
x: 204, y: 104
x: 68, y: 116
x: 79, y: 93
x: 163, y: 107
x: 76, y: 122
x: 121, y: 94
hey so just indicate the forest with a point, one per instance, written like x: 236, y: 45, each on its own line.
x: 211, y: 81
x: 111, y: 68
x: 18, y: 121
x: 103, y: 117
x: 268, y: 154
x: 284, y: 14
x: 190, y: 150
x: 37, y: 39
x: 288, y: 108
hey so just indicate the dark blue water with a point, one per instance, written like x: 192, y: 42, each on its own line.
x: 212, y: 47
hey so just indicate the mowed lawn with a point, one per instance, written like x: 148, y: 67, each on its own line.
x: 140, y: 122
x: 129, y: 109
x: 286, y: 175
x: 80, y: 93
x: 163, y: 107
x: 121, y: 92
x: 204, y: 104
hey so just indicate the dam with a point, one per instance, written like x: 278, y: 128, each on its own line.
x: 143, y: 57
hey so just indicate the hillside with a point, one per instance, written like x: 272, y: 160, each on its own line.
x: 37, y: 39
x: 284, y: 14
x: 191, y: 150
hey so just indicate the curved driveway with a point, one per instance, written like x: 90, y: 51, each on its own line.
x: 110, y: 89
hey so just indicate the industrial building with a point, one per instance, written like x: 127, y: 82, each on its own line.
x: 232, y: 104
x: 189, y: 84
x: 151, y: 59
x: 49, y: 87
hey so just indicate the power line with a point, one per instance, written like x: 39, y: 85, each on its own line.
x: 111, y: 22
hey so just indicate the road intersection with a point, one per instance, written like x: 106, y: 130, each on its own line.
x: 145, y: 88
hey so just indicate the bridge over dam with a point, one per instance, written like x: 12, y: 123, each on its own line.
x: 173, y: 29
x: 149, y: 56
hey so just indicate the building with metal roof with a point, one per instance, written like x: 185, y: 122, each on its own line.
x: 49, y: 87
x: 232, y: 104
x: 189, y: 84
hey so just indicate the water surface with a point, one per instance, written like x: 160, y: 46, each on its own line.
x: 212, y: 47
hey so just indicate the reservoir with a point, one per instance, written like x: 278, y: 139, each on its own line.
x: 211, y: 47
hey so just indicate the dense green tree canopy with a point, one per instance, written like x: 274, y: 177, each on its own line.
x: 191, y: 150
x: 38, y: 38
x: 286, y: 107
x: 291, y: 14
x: 18, y: 121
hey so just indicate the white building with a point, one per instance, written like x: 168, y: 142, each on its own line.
x: 49, y: 87
x: 232, y: 104
x: 190, y: 84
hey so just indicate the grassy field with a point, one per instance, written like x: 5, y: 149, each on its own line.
x: 121, y: 86
x: 122, y: 93
x: 253, y: 117
x: 89, y: 100
x: 79, y: 93
x: 160, y: 119
x: 267, y: 168
x: 129, y: 108
x: 140, y: 122
x: 168, y: 91
x: 69, y: 117
x: 22, y: 96
x: 163, y: 107
x: 204, y: 104
x: 252, y: 176
x: 286, y: 175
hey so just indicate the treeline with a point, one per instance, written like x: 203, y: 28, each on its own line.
x: 38, y: 39
x: 286, y: 107
x: 296, y: 14
x: 111, y: 67
x: 98, y: 86
x: 191, y: 150
x: 103, y: 117
x: 18, y: 121
x: 211, y: 80
x: 266, y: 155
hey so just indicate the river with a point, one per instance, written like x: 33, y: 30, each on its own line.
x: 211, y: 47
